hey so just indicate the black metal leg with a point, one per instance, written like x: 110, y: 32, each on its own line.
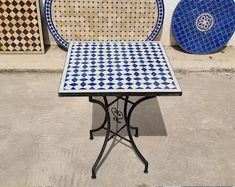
x: 136, y: 130
x: 103, y: 124
x: 107, y: 118
x: 129, y: 130
x: 125, y: 117
x: 97, y: 129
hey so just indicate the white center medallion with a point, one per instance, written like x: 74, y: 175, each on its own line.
x: 204, y: 22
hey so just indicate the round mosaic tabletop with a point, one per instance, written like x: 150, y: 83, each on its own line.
x: 203, y: 26
x: 103, y: 20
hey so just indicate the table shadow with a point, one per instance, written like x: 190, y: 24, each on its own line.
x: 146, y: 116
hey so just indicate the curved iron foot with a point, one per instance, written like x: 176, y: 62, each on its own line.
x: 103, y: 124
x: 107, y: 119
x: 129, y: 127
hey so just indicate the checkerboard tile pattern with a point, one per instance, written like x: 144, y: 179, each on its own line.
x: 20, y: 26
x: 112, y: 67
x: 203, y: 27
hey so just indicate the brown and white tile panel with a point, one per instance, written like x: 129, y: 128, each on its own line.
x: 20, y: 27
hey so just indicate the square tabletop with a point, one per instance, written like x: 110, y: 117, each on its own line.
x: 118, y: 69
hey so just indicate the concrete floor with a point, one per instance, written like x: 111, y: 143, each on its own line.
x: 188, y: 140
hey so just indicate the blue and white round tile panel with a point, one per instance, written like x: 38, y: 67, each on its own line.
x: 203, y: 26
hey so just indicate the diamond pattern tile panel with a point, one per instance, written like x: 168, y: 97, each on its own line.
x: 20, y: 26
x: 93, y: 67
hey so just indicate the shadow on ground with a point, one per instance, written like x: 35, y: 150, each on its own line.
x: 147, y: 117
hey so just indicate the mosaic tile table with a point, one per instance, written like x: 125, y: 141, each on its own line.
x: 120, y: 69
x: 20, y: 27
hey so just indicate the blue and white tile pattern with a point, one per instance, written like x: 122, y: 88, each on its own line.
x: 204, y: 26
x: 117, y: 67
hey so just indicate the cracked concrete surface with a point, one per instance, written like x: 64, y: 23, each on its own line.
x: 44, y: 139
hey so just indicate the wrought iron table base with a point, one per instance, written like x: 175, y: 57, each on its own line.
x: 127, y: 115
